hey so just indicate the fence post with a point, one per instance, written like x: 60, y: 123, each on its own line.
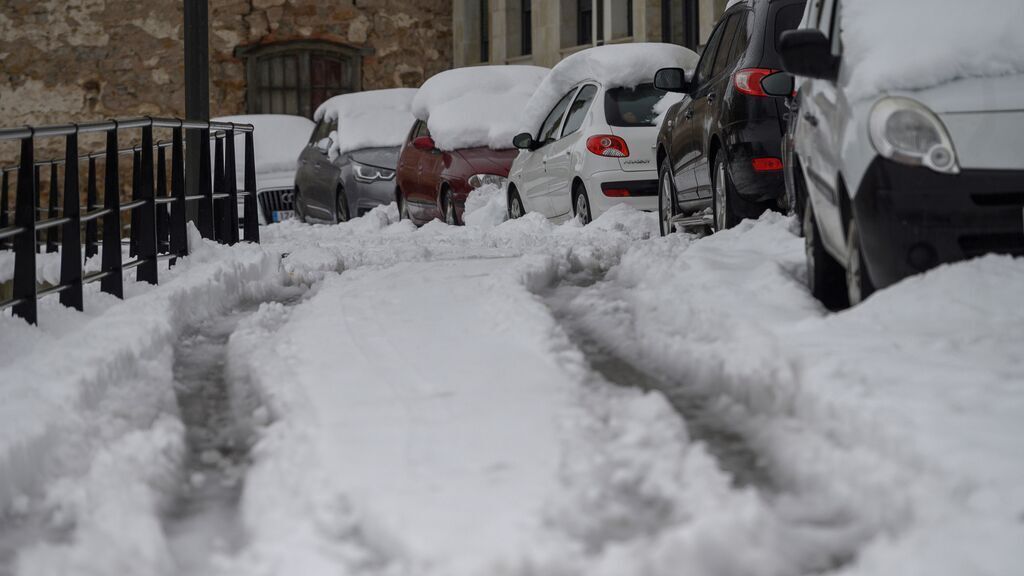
x: 179, y: 219
x: 51, y: 234
x: 218, y: 188
x: 252, y: 222
x: 25, y: 243
x: 147, y: 271
x: 37, y: 184
x: 3, y: 204
x: 206, y: 202
x: 162, y: 223
x: 112, y: 283
x: 91, y: 203
x: 133, y: 238
x: 231, y: 183
x: 71, y: 235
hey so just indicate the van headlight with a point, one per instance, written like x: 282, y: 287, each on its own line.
x: 480, y: 180
x: 905, y: 131
x: 365, y: 173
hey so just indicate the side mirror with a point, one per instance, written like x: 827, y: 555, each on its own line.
x: 671, y: 80
x: 777, y: 84
x: 424, y: 143
x: 524, y: 141
x: 808, y: 52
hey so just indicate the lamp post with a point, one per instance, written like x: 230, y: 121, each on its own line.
x: 197, y: 86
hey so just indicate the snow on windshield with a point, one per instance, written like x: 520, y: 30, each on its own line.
x: 370, y: 119
x: 619, y: 65
x: 278, y: 140
x: 477, y: 106
x: 914, y: 44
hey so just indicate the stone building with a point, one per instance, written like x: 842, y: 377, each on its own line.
x: 542, y: 32
x: 78, y: 60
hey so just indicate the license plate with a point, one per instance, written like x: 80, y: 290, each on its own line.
x: 282, y: 215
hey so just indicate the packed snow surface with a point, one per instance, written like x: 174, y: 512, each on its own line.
x: 476, y: 106
x: 619, y: 65
x: 914, y: 44
x: 422, y: 411
x: 278, y: 139
x: 370, y: 119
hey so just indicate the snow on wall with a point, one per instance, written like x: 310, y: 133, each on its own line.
x: 370, y: 119
x: 612, y: 65
x: 476, y: 106
x: 913, y: 44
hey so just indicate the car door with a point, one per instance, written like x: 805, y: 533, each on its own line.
x: 818, y: 129
x: 319, y: 170
x: 708, y: 104
x: 558, y: 158
x: 306, y: 175
x: 688, y: 142
x: 536, y: 182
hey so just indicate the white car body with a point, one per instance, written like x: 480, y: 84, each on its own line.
x: 545, y: 177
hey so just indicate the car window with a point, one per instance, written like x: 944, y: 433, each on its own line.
x: 550, y: 126
x: 632, y: 106
x: 578, y: 110
x: 837, y: 26
x: 786, y: 18
x: 323, y: 130
x: 421, y: 129
x: 707, y: 59
x: 740, y: 40
x: 724, y: 50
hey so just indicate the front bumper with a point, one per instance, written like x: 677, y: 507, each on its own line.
x: 365, y: 196
x: 911, y: 219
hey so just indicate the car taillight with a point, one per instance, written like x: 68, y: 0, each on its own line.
x: 748, y: 80
x: 608, y: 145
x: 616, y: 192
x: 767, y: 164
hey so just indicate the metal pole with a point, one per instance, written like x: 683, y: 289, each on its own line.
x: 197, y: 87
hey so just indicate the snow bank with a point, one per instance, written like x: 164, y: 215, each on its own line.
x: 486, y: 207
x: 612, y: 65
x: 913, y: 44
x: 278, y: 139
x: 476, y: 106
x: 370, y: 119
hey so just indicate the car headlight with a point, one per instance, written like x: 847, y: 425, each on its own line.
x: 907, y: 132
x: 480, y: 180
x: 365, y: 173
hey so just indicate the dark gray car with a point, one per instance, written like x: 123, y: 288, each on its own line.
x: 348, y: 186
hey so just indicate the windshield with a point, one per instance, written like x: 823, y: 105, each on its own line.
x: 632, y: 106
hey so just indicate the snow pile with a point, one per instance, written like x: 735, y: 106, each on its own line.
x: 486, y: 207
x: 278, y: 139
x: 914, y: 44
x: 476, y: 106
x: 370, y: 119
x: 613, y: 66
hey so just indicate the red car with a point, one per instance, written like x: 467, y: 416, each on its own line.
x: 434, y: 184
x: 472, y: 114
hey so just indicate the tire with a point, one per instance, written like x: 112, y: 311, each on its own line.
x: 723, y: 196
x: 858, y: 282
x: 340, y: 207
x: 515, y: 204
x: 581, y: 204
x: 667, y: 206
x: 825, y: 276
x: 451, y: 218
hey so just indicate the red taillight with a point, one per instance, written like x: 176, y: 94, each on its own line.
x: 608, y: 145
x: 748, y: 80
x: 767, y: 164
x: 616, y: 192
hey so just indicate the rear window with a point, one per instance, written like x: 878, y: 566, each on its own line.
x: 787, y: 18
x: 632, y: 106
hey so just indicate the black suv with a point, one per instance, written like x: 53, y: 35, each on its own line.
x: 721, y: 144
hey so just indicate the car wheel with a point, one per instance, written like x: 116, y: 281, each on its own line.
x: 825, y: 276
x: 858, y: 281
x: 448, y: 204
x: 515, y: 204
x: 667, y: 207
x: 340, y: 207
x: 581, y: 205
x: 723, y: 196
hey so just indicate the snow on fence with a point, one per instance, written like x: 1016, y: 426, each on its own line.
x: 155, y: 234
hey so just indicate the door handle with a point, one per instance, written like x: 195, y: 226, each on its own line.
x: 711, y: 98
x: 811, y: 119
x: 689, y: 114
x: 317, y: 165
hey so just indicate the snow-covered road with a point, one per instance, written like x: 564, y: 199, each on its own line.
x: 527, y: 399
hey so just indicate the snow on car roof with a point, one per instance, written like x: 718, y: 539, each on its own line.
x: 370, y: 119
x: 914, y: 44
x: 278, y: 140
x: 618, y: 65
x: 476, y: 106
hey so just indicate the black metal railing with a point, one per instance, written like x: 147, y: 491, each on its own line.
x: 158, y: 227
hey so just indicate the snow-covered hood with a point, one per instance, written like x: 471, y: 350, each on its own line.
x: 998, y: 94
x: 488, y: 161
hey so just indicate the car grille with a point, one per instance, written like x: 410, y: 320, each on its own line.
x: 276, y: 201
